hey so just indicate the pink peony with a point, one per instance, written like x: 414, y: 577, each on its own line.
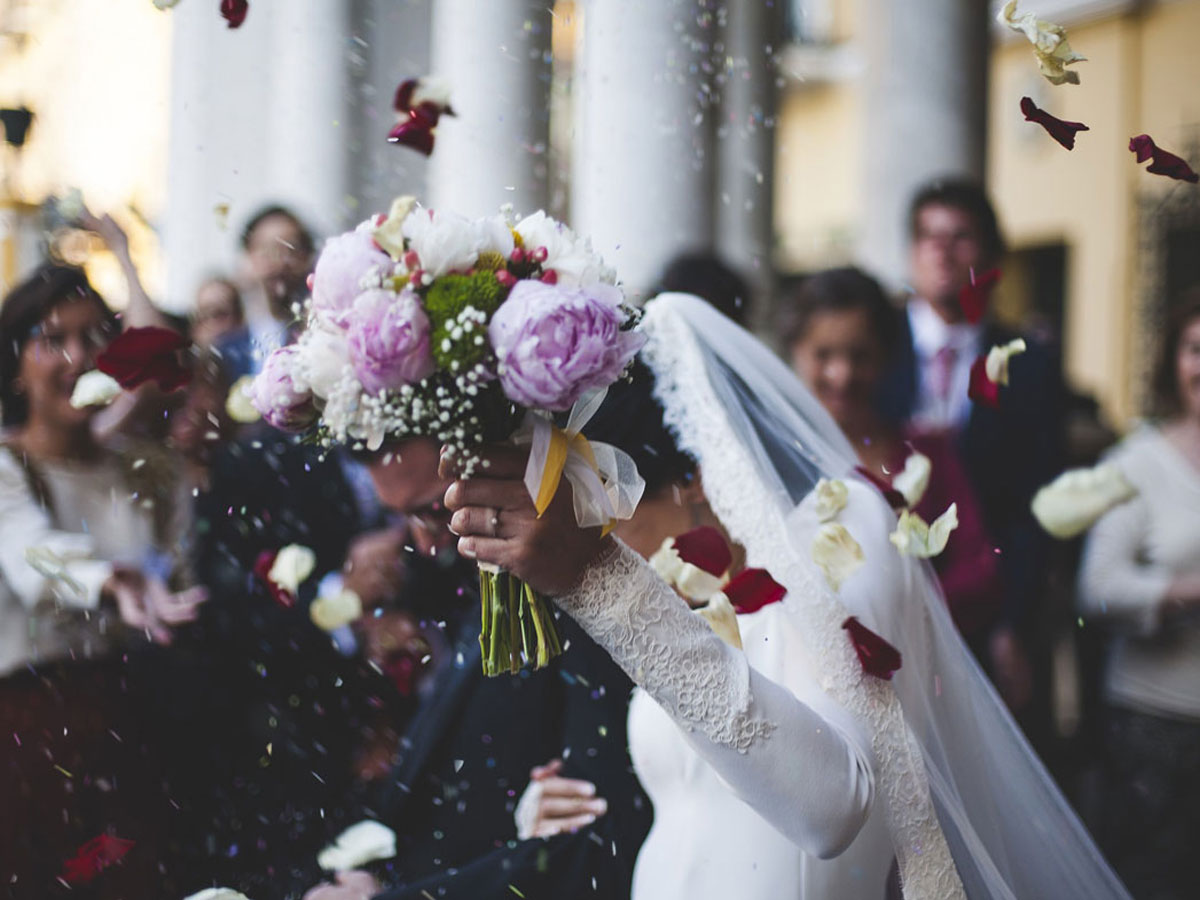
x: 389, y: 340
x: 338, y: 277
x: 555, y: 343
x: 275, y: 396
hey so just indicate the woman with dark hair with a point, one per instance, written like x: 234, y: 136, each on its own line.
x: 80, y: 526
x: 1141, y: 574
x: 840, y: 332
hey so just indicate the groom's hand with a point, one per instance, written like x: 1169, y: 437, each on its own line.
x: 497, y: 523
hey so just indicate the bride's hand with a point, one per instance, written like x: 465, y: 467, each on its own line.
x: 497, y: 523
x: 552, y: 805
x: 145, y: 603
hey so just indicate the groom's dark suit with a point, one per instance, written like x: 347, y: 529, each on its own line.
x: 465, y: 761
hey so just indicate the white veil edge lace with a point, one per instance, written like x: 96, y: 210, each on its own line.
x: 942, y: 738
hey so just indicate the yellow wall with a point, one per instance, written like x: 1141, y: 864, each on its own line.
x: 96, y: 74
x: 1141, y: 76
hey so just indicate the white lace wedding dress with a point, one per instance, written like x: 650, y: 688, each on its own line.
x: 784, y: 771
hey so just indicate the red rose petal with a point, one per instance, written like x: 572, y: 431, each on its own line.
x: 139, y: 355
x: 94, y: 857
x: 752, y: 589
x: 983, y: 389
x: 877, y: 656
x: 706, y: 549
x: 974, y: 297
x: 234, y: 11
x: 894, y: 498
x: 262, y: 571
x: 414, y: 135
x: 1164, y: 162
x: 1059, y: 129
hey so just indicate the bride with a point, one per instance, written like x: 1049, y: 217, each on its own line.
x: 783, y: 770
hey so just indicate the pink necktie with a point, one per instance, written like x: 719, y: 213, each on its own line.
x: 943, y: 372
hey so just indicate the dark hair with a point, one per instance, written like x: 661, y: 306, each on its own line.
x: 26, y: 306
x: 631, y: 418
x: 967, y: 196
x: 706, y: 276
x: 1166, y: 401
x: 839, y: 290
x: 270, y: 212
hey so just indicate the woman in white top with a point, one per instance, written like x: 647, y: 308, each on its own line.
x: 1141, y: 574
x: 784, y: 769
x: 78, y: 525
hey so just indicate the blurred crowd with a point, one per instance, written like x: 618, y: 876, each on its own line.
x: 154, y: 687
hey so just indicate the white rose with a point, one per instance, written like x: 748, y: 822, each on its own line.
x: 495, y: 235
x: 94, y: 388
x: 721, y: 616
x: 444, y: 241
x: 293, y: 564
x: 831, y: 496
x: 322, y: 355
x: 914, y: 478
x: 836, y: 553
x: 913, y: 537
x: 570, y: 257
x: 1073, y: 502
x: 330, y: 612
x: 357, y: 845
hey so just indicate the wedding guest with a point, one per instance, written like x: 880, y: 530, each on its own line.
x: 1010, y: 450
x: 1141, y: 576
x: 101, y: 516
x: 841, y: 335
x: 218, y: 311
x: 277, y: 258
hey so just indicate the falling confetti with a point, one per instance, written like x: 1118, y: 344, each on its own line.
x: 1059, y: 129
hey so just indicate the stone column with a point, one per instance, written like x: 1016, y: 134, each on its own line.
x: 310, y: 132
x: 495, y: 56
x: 745, y: 145
x: 642, y: 167
x: 925, y: 112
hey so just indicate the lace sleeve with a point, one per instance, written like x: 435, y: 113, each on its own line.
x: 808, y: 773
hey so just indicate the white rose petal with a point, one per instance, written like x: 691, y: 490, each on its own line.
x: 696, y: 584
x: 1073, y: 502
x: 913, y: 537
x: 390, y: 235
x: 431, y: 89
x: 569, y: 256
x: 293, y: 564
x: 94, y: 388
x: 357, y: 845
x: 914, y: 478
x: 996, y: 365
x: 331, y: 611
x: 167, y: 4
x: 217, y: 893
x: 831, y: 498
x: 667, y: 562
x: 1049, y: 43
x: 720, y: 614
x: 238, y: 404
x: 836, y: 553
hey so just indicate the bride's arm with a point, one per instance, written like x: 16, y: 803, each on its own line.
x: 802, y: 764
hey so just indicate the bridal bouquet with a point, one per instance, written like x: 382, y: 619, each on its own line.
x: 429, y: 324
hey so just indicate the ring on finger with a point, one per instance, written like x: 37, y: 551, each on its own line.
x: 494, y: 522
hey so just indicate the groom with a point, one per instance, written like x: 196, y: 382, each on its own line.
x: 468, y: 754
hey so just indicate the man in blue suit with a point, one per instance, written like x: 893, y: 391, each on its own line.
x: 1009, y: 451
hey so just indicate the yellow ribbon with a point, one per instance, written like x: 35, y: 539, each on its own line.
x: 561, y: 444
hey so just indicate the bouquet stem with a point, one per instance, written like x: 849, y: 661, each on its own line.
x: 517, y: 627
